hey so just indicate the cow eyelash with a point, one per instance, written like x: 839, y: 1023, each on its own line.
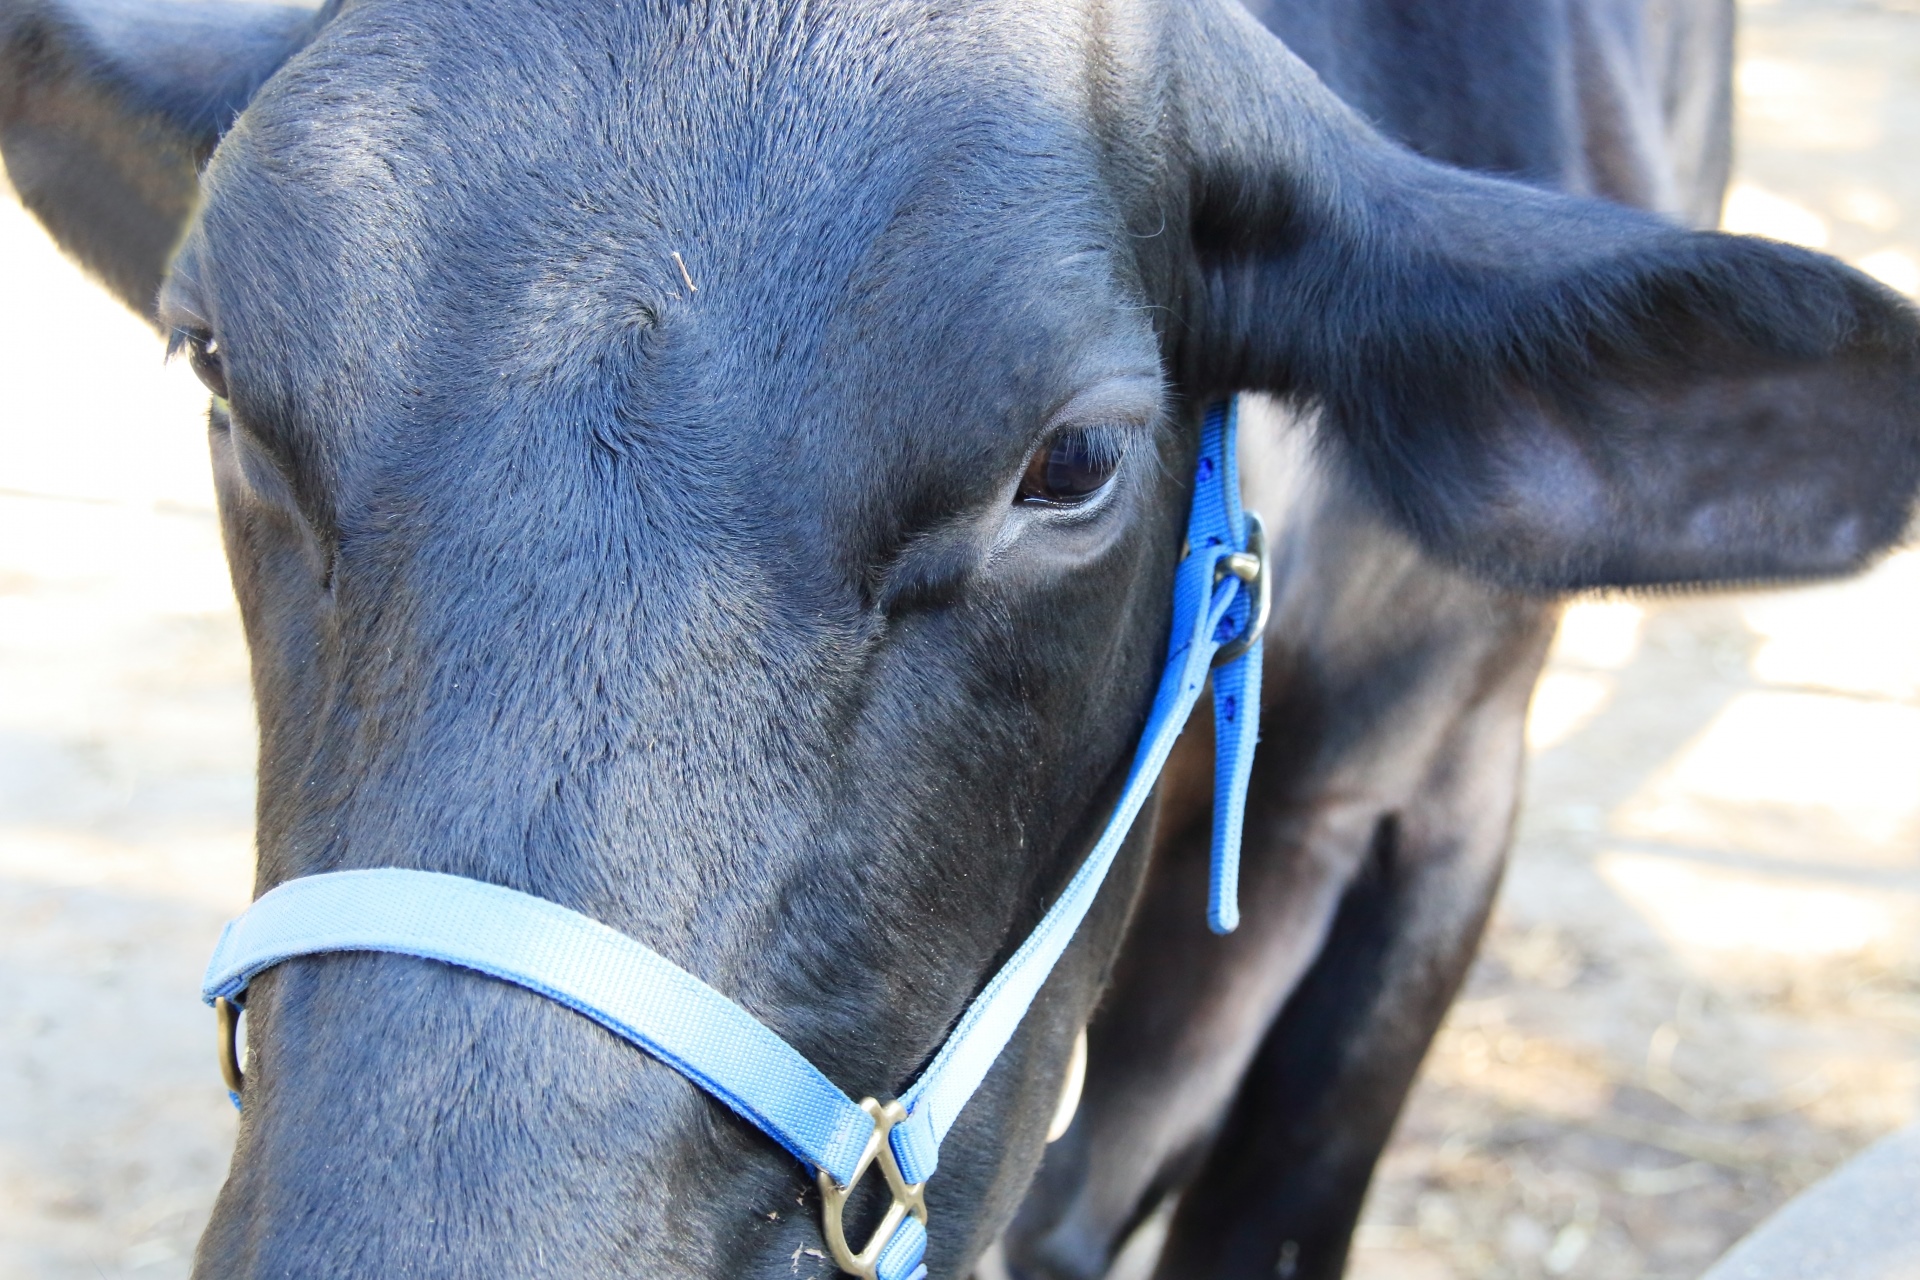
x: 1073, y: 466
x: 204, y: 354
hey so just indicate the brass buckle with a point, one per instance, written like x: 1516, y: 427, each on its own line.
x: 906, y: 1199
x: 1250, y: 566
x: 226, y: 1017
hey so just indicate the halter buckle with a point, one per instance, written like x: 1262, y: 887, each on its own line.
x: 1251, y: 567
x: 907, y: 1199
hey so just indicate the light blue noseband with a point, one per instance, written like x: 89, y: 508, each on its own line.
x: 1219, y: 608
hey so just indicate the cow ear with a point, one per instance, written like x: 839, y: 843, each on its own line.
x: 1553, y: 393
x: 109, y: 109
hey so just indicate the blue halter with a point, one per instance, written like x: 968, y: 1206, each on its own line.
x: 1219, y: 609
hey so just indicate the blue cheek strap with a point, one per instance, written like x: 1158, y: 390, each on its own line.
x: 1219, y: 608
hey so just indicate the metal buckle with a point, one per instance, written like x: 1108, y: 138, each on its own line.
x: 226, y: 1017
x: 906, y: 1199
x: 1250, y: 566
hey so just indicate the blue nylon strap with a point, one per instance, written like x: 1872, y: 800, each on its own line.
x: 1236, y: 686
x: 900, y: 1257
x: 1236, y: 729
x: 645, y: 998
x: 1203, y: 612
x: 625, y: 986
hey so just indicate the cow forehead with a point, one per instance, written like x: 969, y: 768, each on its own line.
x: 786, y: 205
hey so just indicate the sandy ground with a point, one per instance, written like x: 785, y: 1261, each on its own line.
x: 1701, y: 992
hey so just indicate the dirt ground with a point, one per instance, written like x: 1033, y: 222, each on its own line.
x: 1701, y: 991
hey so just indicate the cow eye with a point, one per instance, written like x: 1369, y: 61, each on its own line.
x: 203, y: 353
x: 1072, y: 466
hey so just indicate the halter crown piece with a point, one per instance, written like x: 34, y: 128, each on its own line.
x: 1219, y: 608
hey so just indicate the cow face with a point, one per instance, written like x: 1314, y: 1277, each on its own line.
x: 722, y: 471
x: 755, y: 523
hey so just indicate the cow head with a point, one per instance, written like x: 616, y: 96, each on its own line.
x: 721, y: 468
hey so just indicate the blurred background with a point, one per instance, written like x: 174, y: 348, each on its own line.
x: 1701, y: 991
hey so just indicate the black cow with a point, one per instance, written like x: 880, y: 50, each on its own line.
x: 720, y: 467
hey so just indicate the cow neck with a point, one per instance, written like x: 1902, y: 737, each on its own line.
x: 1219, y: 608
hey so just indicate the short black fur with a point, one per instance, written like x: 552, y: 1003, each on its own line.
x: 627, y: 410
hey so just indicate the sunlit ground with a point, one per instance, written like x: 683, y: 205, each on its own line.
x: 1702, y: 990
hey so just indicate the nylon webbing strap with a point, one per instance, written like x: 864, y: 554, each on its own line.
x: 1203, y: 611
x: 648, y: 1000
x: 1236, y: 686
x: 627, y: 987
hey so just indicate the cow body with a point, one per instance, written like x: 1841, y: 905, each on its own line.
x: 720, y: 467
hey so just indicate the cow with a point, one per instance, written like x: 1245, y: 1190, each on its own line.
x: 721, y: 468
